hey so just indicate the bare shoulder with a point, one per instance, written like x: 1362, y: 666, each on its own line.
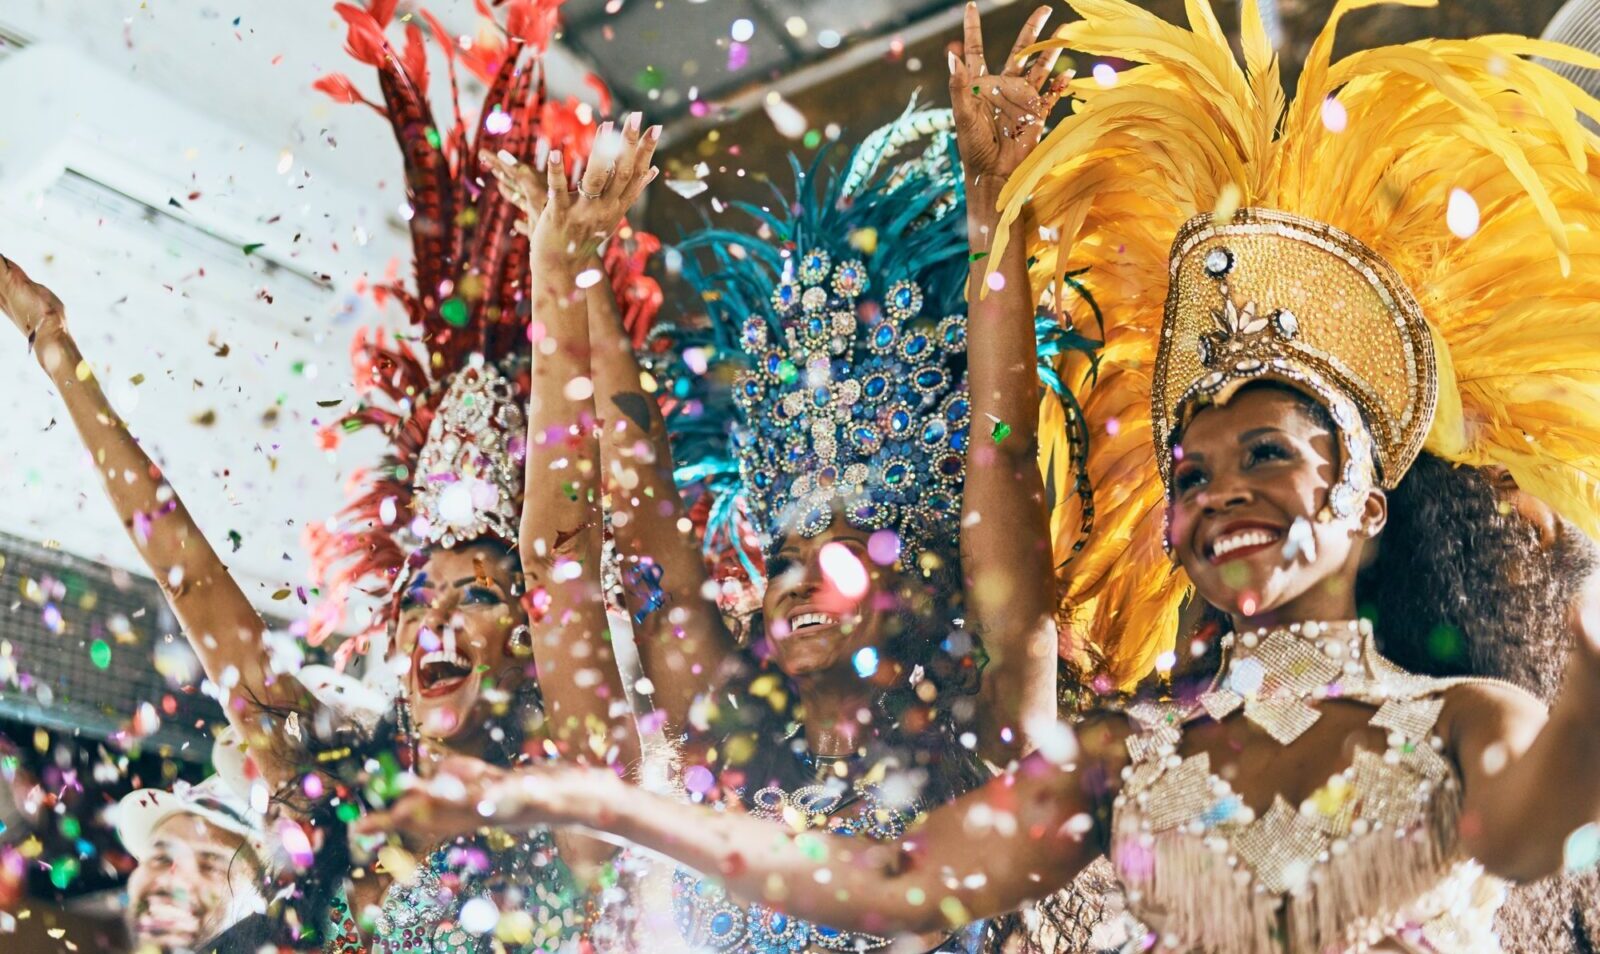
x: 1481, y: 710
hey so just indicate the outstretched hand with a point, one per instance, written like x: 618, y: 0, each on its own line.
x: 33, y: 308
x: 466, y: 794
x: 1000, y: 118
x: 572, y: 224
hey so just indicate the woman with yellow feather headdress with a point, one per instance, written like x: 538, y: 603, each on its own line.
x: 1404, y: 257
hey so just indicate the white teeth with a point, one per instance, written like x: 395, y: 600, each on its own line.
x: 1244, y: 538
x: 811, y: 619
x: 440, y: 656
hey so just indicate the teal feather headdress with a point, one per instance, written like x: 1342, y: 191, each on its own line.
x: 830, y: 378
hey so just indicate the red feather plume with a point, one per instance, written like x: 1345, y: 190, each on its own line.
x: 471, y: 268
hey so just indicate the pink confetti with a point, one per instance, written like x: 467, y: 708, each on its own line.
x: 843, y: 570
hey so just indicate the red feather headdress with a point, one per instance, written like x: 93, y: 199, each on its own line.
x: 471, y: 267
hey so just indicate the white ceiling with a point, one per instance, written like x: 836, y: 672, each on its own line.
x: 190, y: 105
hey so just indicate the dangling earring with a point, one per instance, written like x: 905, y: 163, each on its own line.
x: 520, y: 642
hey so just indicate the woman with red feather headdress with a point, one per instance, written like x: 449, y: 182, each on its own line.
x: 474, y: 572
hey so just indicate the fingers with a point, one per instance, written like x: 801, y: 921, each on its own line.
x: 555, y: 171
x: 602, y: 167
x: 972, y: 41
x: 1026, y: 38
x: 1042, y: 66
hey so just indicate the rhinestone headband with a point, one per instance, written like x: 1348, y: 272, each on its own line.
x: 468, y: 480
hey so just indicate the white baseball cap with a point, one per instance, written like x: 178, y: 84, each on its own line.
x: 143, y: 811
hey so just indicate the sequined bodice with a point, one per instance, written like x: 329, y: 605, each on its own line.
x: 1370, y: 861
x: 535, y: 903
x: 709, y: 920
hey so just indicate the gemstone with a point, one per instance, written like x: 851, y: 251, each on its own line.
x: 1287, y: 324
x: 1218, y: 262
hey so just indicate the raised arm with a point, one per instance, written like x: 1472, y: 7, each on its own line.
x: 682, y: 641
x: 1005, y: 532
x: 561, y: 531
x: 1531, y: 781
x: 1035, y: 827
x: 223, y: 627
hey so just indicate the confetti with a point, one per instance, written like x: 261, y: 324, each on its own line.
x: 841, y: 568
x: 100, y: 654
x: 1001, y: 431
x: 1461, y: 214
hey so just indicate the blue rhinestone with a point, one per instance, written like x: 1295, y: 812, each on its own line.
x: 933, y: 432
x: 958, y: 440
x: 894, y: 474
x: 883, y: 337
x: 930, y: 379
x: 956, y: 411
x: 876, y: 386
x: 899, y: 421
x: 722, y: 924
x: 915, y: 345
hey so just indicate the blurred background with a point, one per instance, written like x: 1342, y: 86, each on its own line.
x: 215, y: 226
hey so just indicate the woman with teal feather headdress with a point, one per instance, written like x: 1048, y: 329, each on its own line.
x: 873, y: 476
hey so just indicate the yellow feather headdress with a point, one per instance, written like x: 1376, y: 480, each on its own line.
x: 1371, y: 150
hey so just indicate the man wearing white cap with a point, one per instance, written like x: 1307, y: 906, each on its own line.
x: 198, y: 849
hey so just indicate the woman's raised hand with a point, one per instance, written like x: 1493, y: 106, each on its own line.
x: 1000, y: 117
x: 33, y: 308
x: 571, y: 224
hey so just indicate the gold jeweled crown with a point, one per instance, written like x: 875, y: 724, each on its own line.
x: 1266, y: 295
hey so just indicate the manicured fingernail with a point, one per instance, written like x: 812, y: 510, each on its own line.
x: 555, y: 157
x: 634, y: 121
x: 952, y: 54
x: 655, y: 133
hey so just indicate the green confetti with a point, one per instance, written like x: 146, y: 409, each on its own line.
x: 347, y: 812
x: 787, y: 372
x: 976, y: 256
x: 235, y: 538
x: 433, y: 137
x: 454, y: 311
x: 100, y: 654
x: 649, y: 78
x: 63, y: 871
x: 70, y: 828
x: 254, y: 247
x: 1001, y: 431
x: 813, y: 139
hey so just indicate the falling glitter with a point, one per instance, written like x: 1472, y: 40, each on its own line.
x: 1334, y: 118
x: 866, y: 662
x: 843, y: 570
x: 1462, y: 214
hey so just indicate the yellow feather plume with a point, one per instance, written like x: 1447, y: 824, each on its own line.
x: 1375, y: 144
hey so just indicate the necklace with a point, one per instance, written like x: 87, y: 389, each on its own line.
x: 1276, y: 673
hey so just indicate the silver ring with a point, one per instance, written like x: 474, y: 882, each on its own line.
x: 590, y: 195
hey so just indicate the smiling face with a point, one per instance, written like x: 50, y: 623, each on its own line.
x: 1252, y: 477
x: 456, y: 617
x: 826, y: 601
x: 180, y: 893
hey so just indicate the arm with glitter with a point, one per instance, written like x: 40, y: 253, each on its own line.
x: 1036, y: 824
x: 1005, y: 534
x: 682, y: 641
x: 561, y: 532
x: 222, y: 626
x: 1531, y: 799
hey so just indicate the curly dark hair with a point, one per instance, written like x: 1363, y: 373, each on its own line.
x: 928, y: 679
x: 1461, y: 586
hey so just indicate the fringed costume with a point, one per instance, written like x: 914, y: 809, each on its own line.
x: 1414, y: 242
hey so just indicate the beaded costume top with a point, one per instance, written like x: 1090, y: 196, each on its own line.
x: 536, y: 902
x: 1372, y: 856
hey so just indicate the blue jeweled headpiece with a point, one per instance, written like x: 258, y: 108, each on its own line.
x: 848, y: 332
